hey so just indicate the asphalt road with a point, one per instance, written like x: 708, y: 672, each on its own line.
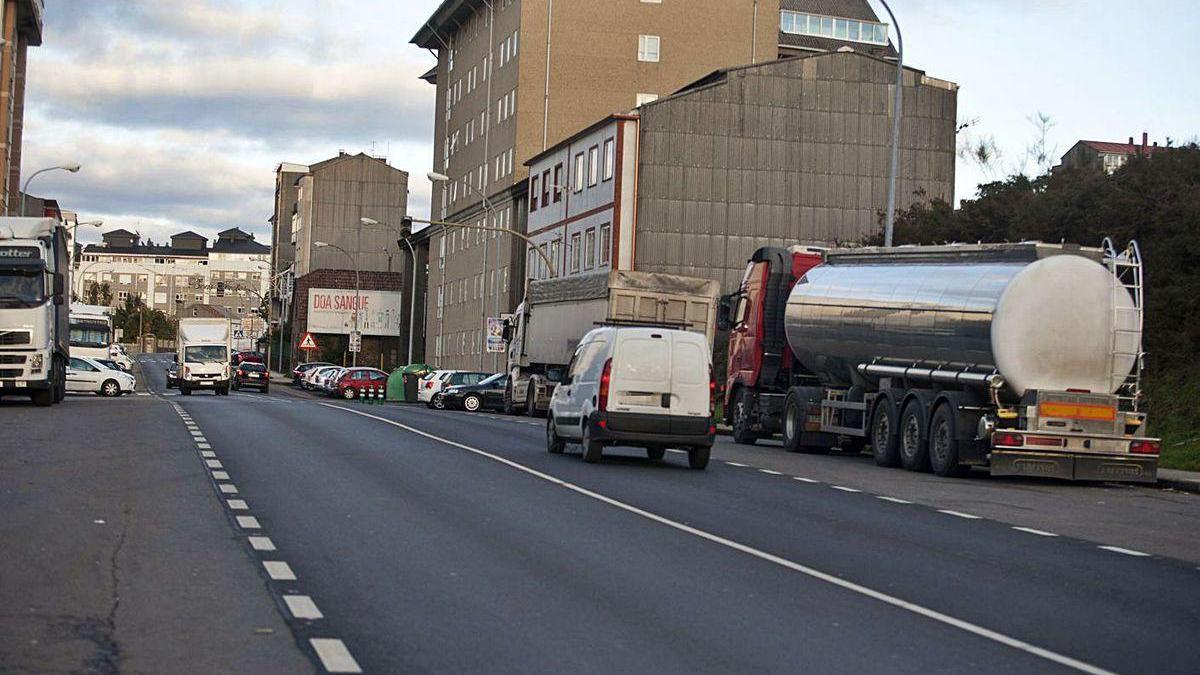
x: 435, y: 541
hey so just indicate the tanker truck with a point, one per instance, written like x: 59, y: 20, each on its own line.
x: 1021, y: 358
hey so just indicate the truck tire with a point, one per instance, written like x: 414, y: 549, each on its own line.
x: 508, y: 401
x: 742, y: 423
x: 795, y: 414
x: 943, y: 444
x: 530, y: 405
x: 592, y: 450
x: 184, y: 390
x: 554, y: 443
x: 60, y: 380
x: 884, y: 443
x: 42, y: 397
x: 913, y: 437
x: 698, y: 457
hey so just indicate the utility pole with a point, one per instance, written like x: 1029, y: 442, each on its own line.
x: 897, y: 113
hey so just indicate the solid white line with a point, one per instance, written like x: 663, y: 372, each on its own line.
x: 770, y: 472
x: 1030, y: 530
x: 762, y: 555
x: 228, y: 488
x: 844, y: 489
x: 894, y: 500
x: 248, y: 522
x: 736, y: 464
x: 302, y: 607
x: 220, y: 475
x: 262, y: 544
x: 334, y: 655
x: 208, y: 454
x: 279, y: 570
x: 1126, y: 551
x: 214, y: 464
x: 802, y: 479
x: 958, y: 514
x: 238, y: 504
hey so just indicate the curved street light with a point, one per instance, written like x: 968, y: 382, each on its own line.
x: 72, y: 168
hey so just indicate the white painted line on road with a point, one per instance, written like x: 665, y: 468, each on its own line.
x: 678, y: 452
x: 802, y: 479
x: 958, y: 514
x: 1126, y: 551
x: 262, y: 544
x: 197, y: 432
x: 238, y: 504
x: 248, y: 522
x: 894, y: 500
x: 302, y: 607
x: 279, y: 570
x: 334, y: 655
x: 228, y: 488
x: 844, y: 489
x: 204, y: 446
x: 1030, y: 530
x: 220, y: 475
x: 770, y: 472
x: 208, y: 454
x: 743, y: 466
x: 214, y: 463
x: 885, y: 598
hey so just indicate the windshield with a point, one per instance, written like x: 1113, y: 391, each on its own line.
x: 253, y: 367
x: 204, y: 354
x: 90, y: 335
x: 20, y: 288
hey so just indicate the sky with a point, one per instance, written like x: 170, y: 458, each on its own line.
x: 179, y: 110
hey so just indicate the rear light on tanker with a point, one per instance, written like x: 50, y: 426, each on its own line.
x: 1144, y: 447
x: 1007, y: 438
x: 605, y: 380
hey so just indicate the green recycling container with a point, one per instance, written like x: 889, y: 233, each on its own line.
x: 402, y: 383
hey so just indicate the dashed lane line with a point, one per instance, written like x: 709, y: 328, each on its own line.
x: 220, y: 475
x: 802, y: 479
x: 1125, y: 551
x: 302, y: 607
x: 1030, y: 530
x: 279, y: 570
x: 208, y: 454
x: 894, y: 500
x: 959, y: 514
x: 334, y: 655
x: 771, y: 472
x: 859, y: 589
x: 262, y: 544
x: 248, y: 523
x: 228, y: 488
x: 214, y: 464
x: 238, y: 504
x: 738, y: 464
x: 844, y: 488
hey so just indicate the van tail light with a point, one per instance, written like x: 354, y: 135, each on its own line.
x: 1143, y: 447
x: 605, y: 380
x: 429, y: 385
x: 712, y: 392
x: 1007, y: 438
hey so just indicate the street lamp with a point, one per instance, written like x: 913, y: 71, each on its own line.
x: 357, y: 294
x: 898, y: 111
x: 73, y: 168
x: 412, y: 294
x: 74, y: 229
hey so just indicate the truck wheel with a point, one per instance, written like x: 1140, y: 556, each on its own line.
x: 591, y: 449
x: 508, y: 402
x: 554, y: 444
x: 656, y: 453
x: 184, y: 391
x: 530, y: 405
x: 914, y: 446
x: 943, y: 443
x: 110, y: 388
x: 42, y: 397
x: 795, y: 414
x: 884, y: 444
x: 60, y: 378
x: 698, y: 457
x: 743, y: 431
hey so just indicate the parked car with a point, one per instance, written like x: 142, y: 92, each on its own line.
x: 173, y: 376
x: 642, y: 387
x: 488, y: 394
x: 351, y: 383
x: 303, y: 369
x: 239, y: 358
x: 311, y: 379
x: 253, y: 375
x: 454, y: 379
x: 88, y: 375
x: 327, y: 380
x: 431, y: 384
x: 117, y: 353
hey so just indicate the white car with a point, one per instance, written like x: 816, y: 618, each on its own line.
x: 312, y: 377
x: 118, y: 354
x: 86, y: 375
x: 328, y: 378
x: 432, y: 384
x: 641, y: 387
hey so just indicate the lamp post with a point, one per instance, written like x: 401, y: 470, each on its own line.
x: 897, y: 112
x: 74, y: 241
x: 73, y: 168
x: 412, y: 293
x: 357, y: 295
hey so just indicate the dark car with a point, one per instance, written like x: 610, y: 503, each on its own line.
x: 453, y: 379
x: 488, y: 394
x: 173, y: 376
x: 239, y: 358
x: 251, y: 375
x: 301, y: 370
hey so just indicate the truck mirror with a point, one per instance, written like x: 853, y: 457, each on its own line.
x: 506, y: 333
x: 724, y: 309
x: 60, y: 286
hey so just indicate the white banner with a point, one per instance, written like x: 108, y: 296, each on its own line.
x: 331, y: 310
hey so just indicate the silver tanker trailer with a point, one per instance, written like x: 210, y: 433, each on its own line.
x: 1024, y: 358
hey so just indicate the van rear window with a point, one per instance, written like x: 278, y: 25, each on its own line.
x: 643, y: 360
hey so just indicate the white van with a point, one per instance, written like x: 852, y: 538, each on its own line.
x: 641, y: 387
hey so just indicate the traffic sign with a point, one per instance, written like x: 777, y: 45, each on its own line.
x: 308, y: 342
x: 356, y: 341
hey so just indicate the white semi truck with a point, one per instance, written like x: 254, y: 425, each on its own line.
x: 544, y: 331
x: 92, y: 334
x: 203, y: 349
x: 34, y: 302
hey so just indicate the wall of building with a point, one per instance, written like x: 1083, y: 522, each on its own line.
x: 384, y: 352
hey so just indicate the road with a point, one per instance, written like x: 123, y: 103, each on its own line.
x: 434, y: 541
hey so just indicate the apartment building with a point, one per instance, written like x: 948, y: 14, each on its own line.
x: 788, y: 152
x: 20, y: 29
x: 1108, y: 156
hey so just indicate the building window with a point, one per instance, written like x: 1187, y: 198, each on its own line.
x: 546, y: 188
x: 648, y: 48
x: 555, y: 253
x: 533, y: 190
x: 558, y: 186
x: 605, y: 244
x: 851, y: 30
x: 577, y: 180
x: 589, y: 248
x: 593, y: 165
x: 643, y: 99
x: 610, y: 158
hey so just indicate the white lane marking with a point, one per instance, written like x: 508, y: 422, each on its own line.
x: 885, y: 598
x: 238, y: 504
x: 770, y: 472
x: 208, y: 454
x: 1126, y: 551
x: 220, y: 475
x: 214, y: 464
x: 679, y: 452
x: 197, y: 432
x: 894, y: 500
x: 958, y: 514
x: 1030, y: 530
x: 204, y: 446
x: 844, y: 489
x: 302, y: 607
x: 334, y: 655
x: 248, y: 522
x: 262, y: 544
x: 736, y: 464
x: 802, y: 479
x: 228, y: 488
x: 279, y: 570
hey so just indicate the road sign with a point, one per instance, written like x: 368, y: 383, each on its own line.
x: 355, y: 341
x: 308, y: 342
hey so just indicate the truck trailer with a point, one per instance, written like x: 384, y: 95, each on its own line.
x: 203, y: 349
x: 545, y: 329
x: 1022, y: 358
x: 34, y: 303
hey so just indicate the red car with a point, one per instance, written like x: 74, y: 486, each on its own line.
x: 355, y: 380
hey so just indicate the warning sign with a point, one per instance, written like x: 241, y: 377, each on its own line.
x: 308, y: 342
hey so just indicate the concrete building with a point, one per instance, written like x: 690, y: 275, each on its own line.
x: 515, y: 77
x: 20, y: 29
x: 781, y: 153
x: 1107, y: 156
x: 233, y: 273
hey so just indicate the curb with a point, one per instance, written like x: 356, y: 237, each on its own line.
x: 1184, y: 481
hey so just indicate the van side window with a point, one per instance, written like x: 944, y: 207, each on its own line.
x: 591, y: 363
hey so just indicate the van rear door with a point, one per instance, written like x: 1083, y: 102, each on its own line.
x: 690, y: 367
x: 640, y: 389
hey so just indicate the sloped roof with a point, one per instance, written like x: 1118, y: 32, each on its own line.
x: 188, y: 234
x: 1122, y: 148
x: 246, y: 246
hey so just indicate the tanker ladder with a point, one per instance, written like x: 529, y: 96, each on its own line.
x: 1128, y: 322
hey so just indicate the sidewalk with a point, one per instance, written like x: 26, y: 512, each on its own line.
x: 1187, y: 481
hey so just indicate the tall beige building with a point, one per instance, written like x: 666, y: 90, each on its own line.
x: 20, y: 29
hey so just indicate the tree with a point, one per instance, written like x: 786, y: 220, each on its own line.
x: 98, y: 294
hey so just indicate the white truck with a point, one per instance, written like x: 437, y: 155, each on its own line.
x: 545, y: 329
x: 203, y: 349
x: 92, y: 334
x: 34, y: 303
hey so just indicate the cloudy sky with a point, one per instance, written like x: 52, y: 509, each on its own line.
x: 180, y: 109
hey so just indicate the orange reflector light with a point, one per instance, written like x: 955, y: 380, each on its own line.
x: 1144, y: 447
x: 1078, y: 411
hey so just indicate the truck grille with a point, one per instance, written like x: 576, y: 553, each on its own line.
x: 12, y: 359
x: 11, y: 373
x: 16, y: 337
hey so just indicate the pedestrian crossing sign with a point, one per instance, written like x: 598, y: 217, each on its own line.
x: 308, y: 342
